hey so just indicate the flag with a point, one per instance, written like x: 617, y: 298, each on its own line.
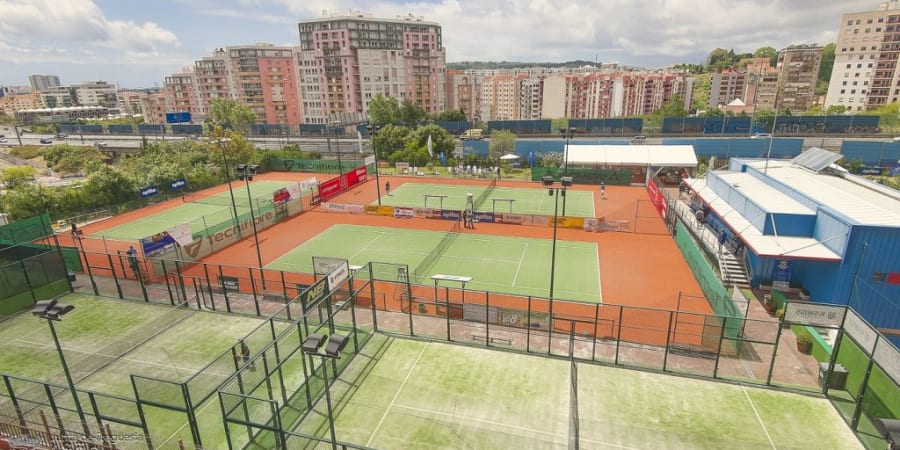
x: 359, y: 139
x: 443, y: 159
x: 530, y: 159
x: 430, y: 150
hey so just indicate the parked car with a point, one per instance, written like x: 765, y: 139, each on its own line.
x: 62, y: 136
x: 46, y: 141
x: 761, y: 136
x: 2, y: 140
x: 638, y: 139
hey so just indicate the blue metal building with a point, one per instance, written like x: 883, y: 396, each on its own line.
x: 806, y: 223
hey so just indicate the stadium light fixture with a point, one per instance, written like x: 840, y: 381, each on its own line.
x: 53, y: 312
x: 333, y: 349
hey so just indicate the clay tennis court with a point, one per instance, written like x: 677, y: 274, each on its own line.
x: 641, y: 268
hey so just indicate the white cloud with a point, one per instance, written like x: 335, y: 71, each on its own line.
x: 61, y: 23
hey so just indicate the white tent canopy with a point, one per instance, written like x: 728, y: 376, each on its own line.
x: 633, y: 155
x: 509, y: 156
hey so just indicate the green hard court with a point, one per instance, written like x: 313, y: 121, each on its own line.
x: 404, y: 393
x: 505, y: 264
x: 525, y: 201
x: 202, y: 212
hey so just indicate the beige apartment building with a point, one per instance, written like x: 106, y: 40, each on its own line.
x: 604, y: 95
x: 462, y: 93
x: 865, y: 73
x: 346, y: 59
x: 798, y: 72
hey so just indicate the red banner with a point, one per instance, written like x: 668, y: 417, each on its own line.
x: 335, y: 186
x: 656, y: 196
x: 329, y: 189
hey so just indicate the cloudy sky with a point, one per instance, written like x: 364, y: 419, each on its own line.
x: 136, y: 43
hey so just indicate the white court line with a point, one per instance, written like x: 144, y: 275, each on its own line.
x: 388, y: 409
x: 489, y: 422
x: 766, y: 430
x: 209, y: 402
x: 74, y: 350
x: 519, y: 267
x: 365, y: 247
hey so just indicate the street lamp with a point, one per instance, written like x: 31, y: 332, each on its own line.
x: 245, y: 173
x: 337, y: 144
x: 53, y: 312
x: 568, y: 134
x: 336, y: 344
x: 555, y: 192
x: 373, y: 129
x: 222, y: 142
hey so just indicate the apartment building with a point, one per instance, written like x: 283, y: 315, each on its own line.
x: 798, y: 72
x: 865, y: 73
x: 346, y: 59
x: 602, y: 95
x: 181, y: 94
x: 154, y: 108
x: 95, y: 93
x: 42, y: 82
x: 462, y: 93
x: 10, y: 104
x: 131, y: 102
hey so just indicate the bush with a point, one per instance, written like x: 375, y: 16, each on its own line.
x: 26, y: 151
x: 804, y: 338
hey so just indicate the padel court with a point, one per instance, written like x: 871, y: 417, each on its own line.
x: 201, y: 211
x: 498, y: 200
x: 413, y: 394
x: 511, y: 265
x: 105, y: 341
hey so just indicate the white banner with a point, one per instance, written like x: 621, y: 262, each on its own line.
x: 888, y: 358
x: 294, y: 190
x: 369, y: 160
x: 814, y: 314
x: 338, y: 275
x: 856, y: 328
x: 182, y: 234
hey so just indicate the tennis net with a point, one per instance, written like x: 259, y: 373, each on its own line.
x: 425, y: 266
x: 219, y: 200
x: 484, y: 195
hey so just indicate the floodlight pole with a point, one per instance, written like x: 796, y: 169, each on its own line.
x: 337, y: 144
x: 71, y: 383
x: 569, y: 133
x: 237, y: 225
x: 328, y: 401
x: 375, y: 128
x: 255, y: 234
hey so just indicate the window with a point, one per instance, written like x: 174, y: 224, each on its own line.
x: 843, y: 91
x: 844, y: 83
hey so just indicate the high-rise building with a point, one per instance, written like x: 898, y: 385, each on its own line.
x: 261, y: 76
x: 345, y: 60
x: 462, y: 93
x: 866, y: 73
x: 798, y: 72
x: 42, y: 82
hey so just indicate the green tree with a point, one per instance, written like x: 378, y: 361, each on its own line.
x: 70, y: 159
x: 107, y: 185
x: 765, y: 52
x: 700, y: 95
x: 231, y: 114
x: 451, y: 115
x: 384, y: 111
x: 835, y: 110
x: 502, y: 142
x: 388, y: 140
x: 411, y: 114
x: 827, y: 64
x: 13, y: 177
x: 441, y: 140
x: 27, y: 200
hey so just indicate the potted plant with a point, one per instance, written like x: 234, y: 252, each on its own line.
x: 804, y: 343
x: 767, y: 303
x: 804, y: 294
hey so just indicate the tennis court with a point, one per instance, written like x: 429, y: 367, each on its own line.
x: 511, y: 265
x: 413, y: 394
x: 524, y: 201
x: 200, y: 210
x: 105, y: 341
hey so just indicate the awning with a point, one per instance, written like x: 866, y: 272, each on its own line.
x: 633, y: 155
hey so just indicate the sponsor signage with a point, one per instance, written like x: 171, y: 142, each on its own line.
x: 861, y: 332
x: 871, y: 170
x: 330, y: 188
x: 814, y: 314
x: 178, y: 184
x: 178, y: 117
x: 225, y: 237
x: 404, y: 213
x: 338, y: 275
x: 481, y: 216
x: 158, y: 243
x: 149, y: 191
x: 315, y: 293
x: 451, y: 214
x: 888, y: 358
x: 369, y: 160
x: 229, y: 283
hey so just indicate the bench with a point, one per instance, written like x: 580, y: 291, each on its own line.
x: 493, y: 340
x: 692, y: 350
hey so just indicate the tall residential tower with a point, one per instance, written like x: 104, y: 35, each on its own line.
x: 346, y: 59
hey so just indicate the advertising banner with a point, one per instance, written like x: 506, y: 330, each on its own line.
x: 656, y: 196
x: 404, y: 213
x: 158, y: 243
x: 451, y: 214
x: 484, y: 217
x: 329, y: 189
x: 781, y: 274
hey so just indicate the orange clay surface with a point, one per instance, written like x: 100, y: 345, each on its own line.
x: 641, y: 268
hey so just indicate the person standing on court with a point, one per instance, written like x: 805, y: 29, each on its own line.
x: 387, y: 187
x: 132, y: 260
x: 245, y: 353
x: 603, y: 190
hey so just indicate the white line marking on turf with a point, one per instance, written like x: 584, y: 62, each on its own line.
x: 117, y: 358
x: 519, y: 267
x: 388, y: 409
x: 489, y: 422
x: 766, y: 430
